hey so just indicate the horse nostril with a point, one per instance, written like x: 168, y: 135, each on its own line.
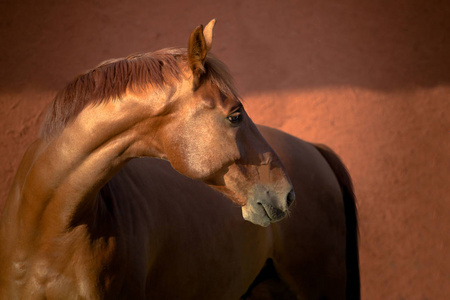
x: 290, y: 198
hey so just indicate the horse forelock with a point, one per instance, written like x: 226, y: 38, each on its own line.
x: 111, y: 79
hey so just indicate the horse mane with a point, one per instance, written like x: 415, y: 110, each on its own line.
x: 113, y: 78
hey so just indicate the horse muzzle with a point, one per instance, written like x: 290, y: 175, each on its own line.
x: 267, y: 209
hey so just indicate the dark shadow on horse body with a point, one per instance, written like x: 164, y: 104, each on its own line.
x: 202, y: 249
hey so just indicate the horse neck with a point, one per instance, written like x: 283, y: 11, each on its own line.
x: 104, y: 137
x: 71, y: 168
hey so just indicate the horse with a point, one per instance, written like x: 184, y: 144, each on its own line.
x: 150, y: 181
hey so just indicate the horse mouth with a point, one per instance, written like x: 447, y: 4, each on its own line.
x: 274, y: 214
x: 262, y: 214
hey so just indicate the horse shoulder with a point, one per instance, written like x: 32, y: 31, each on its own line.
x: 17, y: 231
x: 14, y: 200
x: 35, y: 260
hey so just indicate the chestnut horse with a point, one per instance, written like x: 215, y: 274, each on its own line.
x: 85, y: 221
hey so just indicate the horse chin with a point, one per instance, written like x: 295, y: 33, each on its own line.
x: 256, y: 215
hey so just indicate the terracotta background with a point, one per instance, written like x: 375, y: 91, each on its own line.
x: 369, y: 78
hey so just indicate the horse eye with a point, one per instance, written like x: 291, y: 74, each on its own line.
x: 235, y: 118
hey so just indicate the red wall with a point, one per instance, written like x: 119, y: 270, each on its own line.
x: 369, y: 78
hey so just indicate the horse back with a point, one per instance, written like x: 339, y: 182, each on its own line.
x: 315, y: 246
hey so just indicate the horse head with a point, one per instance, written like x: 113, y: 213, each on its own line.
x: 211, y: 138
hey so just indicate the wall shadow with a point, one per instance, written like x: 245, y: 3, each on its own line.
x: 271, y: 45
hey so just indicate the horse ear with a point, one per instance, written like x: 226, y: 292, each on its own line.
x: 197, y: 50
x: 208, y: 33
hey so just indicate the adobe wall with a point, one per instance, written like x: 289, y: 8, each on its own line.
x: 367, y: 78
